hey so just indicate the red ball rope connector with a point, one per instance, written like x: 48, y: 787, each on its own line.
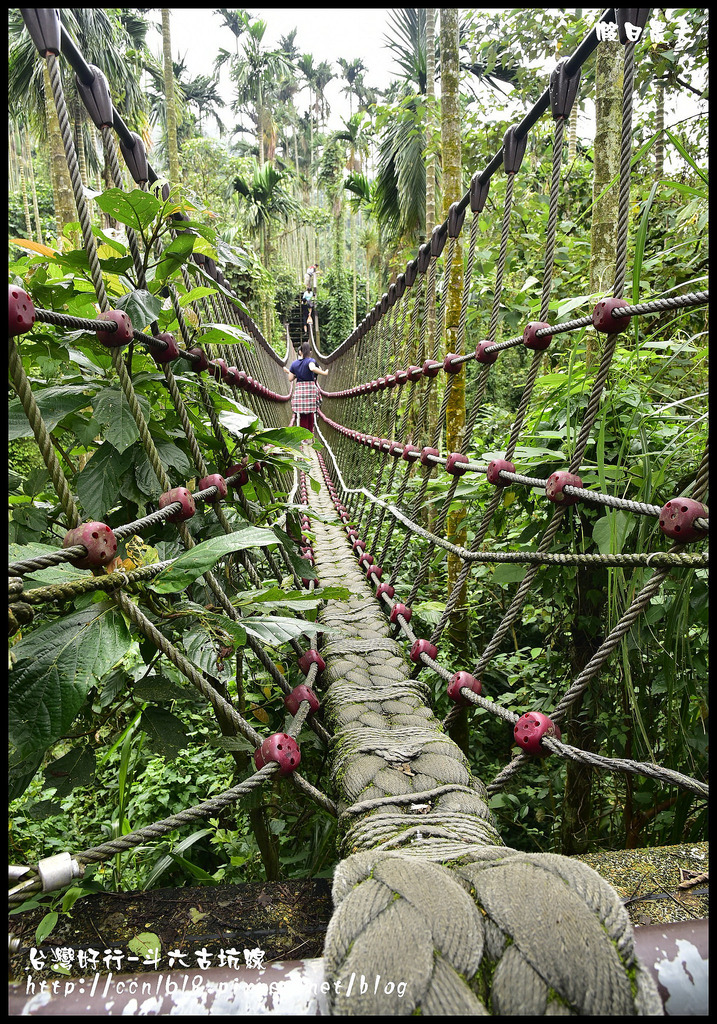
x: 460, y: 680
x: 419, y: 647
x: 182, y: 495
x: 431, y: 368
x: 456, y: 464
x: 605, y: 322
x: 530, y: 728
x: 554, y: 487
x: 240, y: 468
x: 309, y: 658
x: 20, y: 311
x: 214, y: 480
x: 280, y: 748
x: 449, y: 366
x: 425, y: 452
x: 494, y: 470
x: 374, y: 571
x: 385, y: 588
x: 203, y: 364
x: 169, y: 353
x: 124, y: 333
x: 485, y: 357
x: 677, y: 519
x: 400, y: 609
x: 99, y: 540
x: 298, y: 694
x: 530, y: 340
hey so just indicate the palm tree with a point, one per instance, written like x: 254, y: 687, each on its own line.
x: 254, y: 73
x: 331, y: 177
x: 170, y: 103
x: 306, y: 67
x: 363, y: 194
x: 236, y: 22
x: 400, y: 201
x: 324, y: 75
x: 202, y: 92
x: 352, y: 70
x: 265, y: 201
x: 357, y: 134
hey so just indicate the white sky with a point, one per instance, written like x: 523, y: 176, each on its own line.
x: 326, y: 33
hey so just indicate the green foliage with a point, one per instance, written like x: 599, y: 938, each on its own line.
x: 16, y: 215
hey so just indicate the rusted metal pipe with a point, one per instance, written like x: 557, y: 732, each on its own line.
x: 676, y: 954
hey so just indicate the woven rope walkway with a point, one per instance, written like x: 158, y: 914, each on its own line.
x: 427, y: 894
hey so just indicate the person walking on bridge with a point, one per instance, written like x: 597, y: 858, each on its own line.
x: 306, y: 398
x: 307, y: 305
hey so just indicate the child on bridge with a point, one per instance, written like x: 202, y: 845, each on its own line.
x: 306, y: 398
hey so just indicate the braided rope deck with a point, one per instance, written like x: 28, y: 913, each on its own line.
x: 427, y: 894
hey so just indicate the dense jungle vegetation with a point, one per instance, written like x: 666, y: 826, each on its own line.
x: 274, y: 192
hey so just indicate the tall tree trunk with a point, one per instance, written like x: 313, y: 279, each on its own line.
x: 456, y: 408
x: 170, y: 100
x: 79, y: 138
x: 609, y: 65
x: 23, y: 189
x: 65, y: 212
x: 260, y: 128
x: 573, y: 133
x: 430, y: 119
x: 27, y: 149
x: 430, y: 129
x: 573, y: 121
x: 660, y: 125
x: 12, y: 168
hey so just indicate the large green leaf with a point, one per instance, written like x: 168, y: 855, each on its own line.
x: 293, y: 600
x: 112, y: 410
x: 275, y: 629
x: 198, y: 560
x: 54, y: 668
x: 136, y: 209
x: 222, y: 334
x: 174, y: 255
x: 508, y: 573
x: 236, y: 422
x: 54, y: 403
x: 164, y: 730
x: 140, y: 306
x: 200, y: 292
x: 610, y: 531
x: 170, y: 455
x: 286, y: 437
x: 98, y: 483
x: 76, y: 768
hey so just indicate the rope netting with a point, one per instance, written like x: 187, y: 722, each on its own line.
x: 423, y: 856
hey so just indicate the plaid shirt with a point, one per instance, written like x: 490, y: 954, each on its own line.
x: 306, y: 397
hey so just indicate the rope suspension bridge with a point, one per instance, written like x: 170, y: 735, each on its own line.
x: 426, y: 891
